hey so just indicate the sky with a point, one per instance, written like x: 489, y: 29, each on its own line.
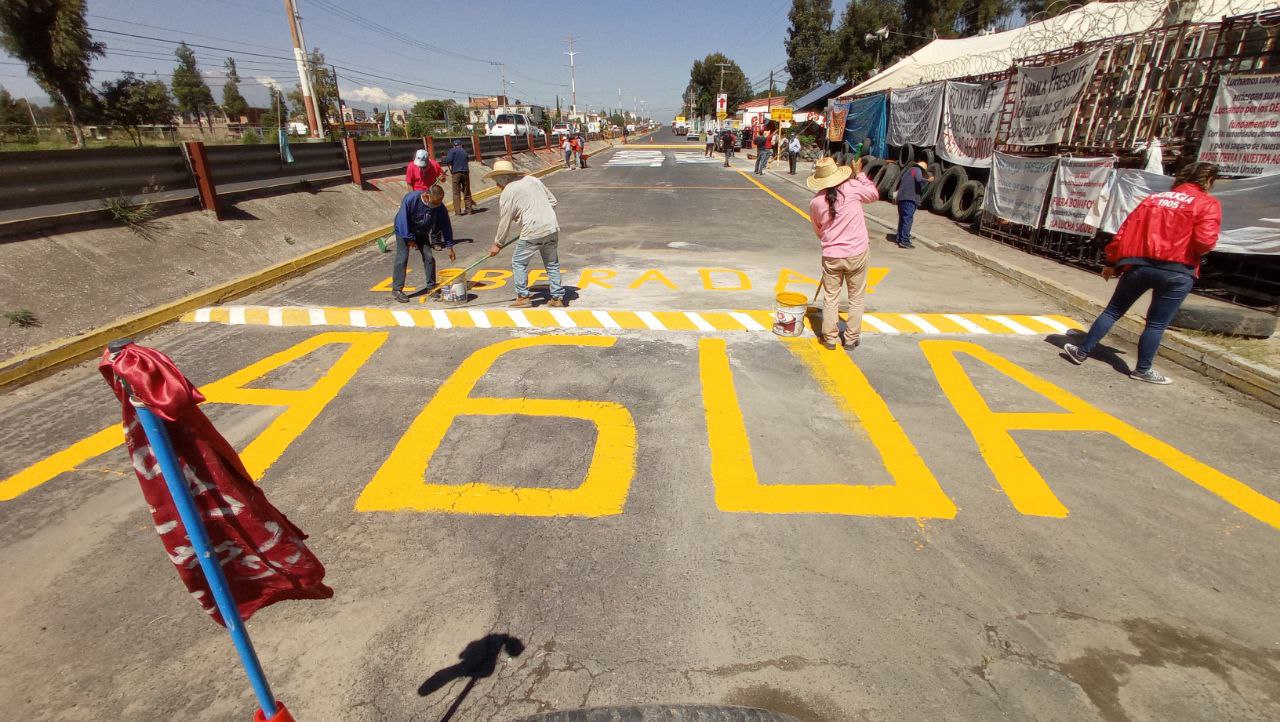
x: 445, y: 49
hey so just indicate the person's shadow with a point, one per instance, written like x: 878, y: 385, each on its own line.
x: 1109, y: 355
x: 478, y: 660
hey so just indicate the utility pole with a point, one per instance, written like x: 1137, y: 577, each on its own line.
x: 503, y: 67
x: 573, y: 79
x: 304, y: 78
x: 619, y: 100
x: 33, y: 113
x: 342, y: 116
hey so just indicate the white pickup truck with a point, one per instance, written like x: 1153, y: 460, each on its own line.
x: 514, y: 124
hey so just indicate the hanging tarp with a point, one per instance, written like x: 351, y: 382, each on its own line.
x: 1250, y: 220
x: 1081, y: 187
x: 1243, y: 133
x: 864, y: 118
x: 1128, y: 188
x: 1018, y: 187
x: 1045, y: 98
x: 914, y: 114
x: 970, y: 112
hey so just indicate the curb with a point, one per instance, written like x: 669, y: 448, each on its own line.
x: 1260, y: 382
x: 55, y: 355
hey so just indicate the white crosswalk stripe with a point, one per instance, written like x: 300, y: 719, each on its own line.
x: 635, y: 159
x: 695, y: 157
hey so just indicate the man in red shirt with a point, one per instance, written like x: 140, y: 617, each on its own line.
x: 423, y: 172
x: 1158, y: 249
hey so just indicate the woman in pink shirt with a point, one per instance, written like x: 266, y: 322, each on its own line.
x: 838, y: 221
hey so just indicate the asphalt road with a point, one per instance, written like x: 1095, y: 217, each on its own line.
x: 945, y: 524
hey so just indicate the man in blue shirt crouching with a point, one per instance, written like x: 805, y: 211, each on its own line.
x: 421, y: 215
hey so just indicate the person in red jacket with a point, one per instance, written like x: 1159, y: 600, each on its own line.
x: 1158, y: 249
x: 423, y: 172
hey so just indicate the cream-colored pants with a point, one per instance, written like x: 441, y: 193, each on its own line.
x: 837, y: 273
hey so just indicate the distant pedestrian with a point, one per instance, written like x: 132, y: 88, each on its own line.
x: 709, y: 142
x: 727, y: 142
x: 910, y: 190
x: 423, y: 172
x: 841, y: 226
x: 793, y: 153
x: 582, y: 150
x: 764, y: 147
x: 567, y: 146
x: 422, y: 214
x: 527, y: 200
x: 1158, y: 248
x: 460, y: 171
x: 576, y: 144
x: 625, y: 133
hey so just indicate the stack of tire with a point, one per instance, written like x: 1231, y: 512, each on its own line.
x: 951, y: 193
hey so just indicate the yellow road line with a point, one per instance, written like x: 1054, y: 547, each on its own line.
x: 747, y: 320
x: 779, y: 198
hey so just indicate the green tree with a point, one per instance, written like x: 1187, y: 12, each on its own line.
x: 705, y: 77
x: 52, y: 39
x: 275, y: 99
x: 807, y: 44
x: 15, y: 119
x: 189, y: 88
x: 233, y: 103
x: 132, y: 102
x: 1034, y: 10
x: 435, y: 113
x: 975, y: 15
x: 857, y: 46
x: 927, y: 19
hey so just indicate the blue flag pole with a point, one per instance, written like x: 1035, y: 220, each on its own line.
x: 158, y: 437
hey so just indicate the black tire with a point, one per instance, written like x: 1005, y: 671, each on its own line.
x: 888, y: 182
x: 906, y: 155
x: 967, y: 200
x: 872, y: 166
x: 1223, y: 319
x: 662, y: 713
x: 947, y: 187
x: 927, y: 155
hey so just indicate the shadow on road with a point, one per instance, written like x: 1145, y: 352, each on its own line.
x: 1106, y: 354
x: 478, y: 660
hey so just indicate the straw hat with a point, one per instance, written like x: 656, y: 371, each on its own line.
x: 502, y: 167
x: 826, y: 174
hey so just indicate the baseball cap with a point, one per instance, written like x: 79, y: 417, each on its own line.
x: 420, y: 158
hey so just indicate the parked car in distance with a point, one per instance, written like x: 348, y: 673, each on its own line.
x: 514, y: 124
x: 560, y: 129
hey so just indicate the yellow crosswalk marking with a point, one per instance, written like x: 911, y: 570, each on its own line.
x: 739, y: 321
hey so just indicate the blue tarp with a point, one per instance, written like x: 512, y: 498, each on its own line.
x: 868, y: 118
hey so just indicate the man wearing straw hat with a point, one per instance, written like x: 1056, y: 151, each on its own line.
x: 841, y: 227
x: 527, y: 200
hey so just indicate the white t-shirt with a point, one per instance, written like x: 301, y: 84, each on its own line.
x: 526, y: 201
x: 794, y: 145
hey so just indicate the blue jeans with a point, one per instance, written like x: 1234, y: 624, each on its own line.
x: 402, y: 264
x: 762, y: 160
x: 906, y: 216
x: 548, y: 247
x: 1168, y: 290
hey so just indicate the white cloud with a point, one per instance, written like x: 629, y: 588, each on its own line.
x: 266, y: 80
x: 405, y: 99
x: 367, y: 95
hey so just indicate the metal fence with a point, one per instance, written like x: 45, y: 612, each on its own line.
x: 233, y: 164
x: 48, y: 177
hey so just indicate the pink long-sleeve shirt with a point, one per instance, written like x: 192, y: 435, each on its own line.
x: 846, y: 236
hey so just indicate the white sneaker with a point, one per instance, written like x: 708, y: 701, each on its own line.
x: 1151, y: 376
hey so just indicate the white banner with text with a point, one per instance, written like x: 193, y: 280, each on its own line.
x: 914, y: 114
x: 1018, y: 187
x: 967, y: 133
x: 1081, y: 189
x: 1045, y: 99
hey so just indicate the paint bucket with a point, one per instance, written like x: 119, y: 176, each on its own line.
x: 455, y: 292
x: 788, y: 314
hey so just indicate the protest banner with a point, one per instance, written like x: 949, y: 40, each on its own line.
x: 1081, y: 188
x: 1045, y: 98
x: 914, y: 114
x: 1018, y: 187
x: 1243, y: 133
x: 837, y: 112
x: 967, y: 132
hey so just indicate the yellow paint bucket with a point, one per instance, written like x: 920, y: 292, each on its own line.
x: 788, y: 314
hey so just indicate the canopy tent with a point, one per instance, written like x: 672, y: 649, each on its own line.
x: 816, y: 99
x: 981, y: 54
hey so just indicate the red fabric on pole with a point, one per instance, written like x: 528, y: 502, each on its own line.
x: 261, y: 552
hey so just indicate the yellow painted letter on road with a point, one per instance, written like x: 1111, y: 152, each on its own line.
x: 915, y: 493
x: 1027, y: 490
x: 596, y: 277
x: 303, y: 407
x: 653, y: 274
x: 399, y: 485
x: 786, y: 277
x: 708, y: 282
x: 489, y: 279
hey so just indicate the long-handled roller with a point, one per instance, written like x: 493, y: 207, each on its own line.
x: 465, y: 271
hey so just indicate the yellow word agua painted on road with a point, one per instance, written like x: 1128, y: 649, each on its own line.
x: 301, y: 407
x: 706, y: 279
x: 399, y: 484
x: 1026, y: 488
x: 916, y: 492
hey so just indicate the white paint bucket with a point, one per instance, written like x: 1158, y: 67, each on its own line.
x: 455, y: 292
x: 788, y: 314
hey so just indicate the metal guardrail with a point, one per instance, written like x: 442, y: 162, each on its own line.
x: 238, y: 164
x: 46, y: 177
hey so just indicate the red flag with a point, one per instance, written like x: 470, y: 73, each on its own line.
x: 261, y: 552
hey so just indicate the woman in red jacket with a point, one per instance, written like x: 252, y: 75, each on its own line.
x: 1158, y: 248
